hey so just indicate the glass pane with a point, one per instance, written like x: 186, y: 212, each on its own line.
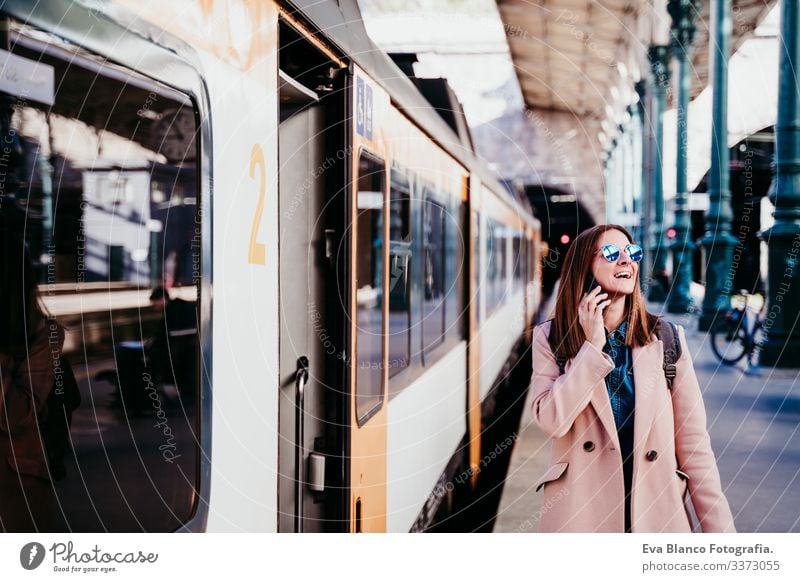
x: 488, y: 276
x: 478, y: 277
x: 99, y: 218
x: 369, y: 295
x: 455, y: 271
x: 399, y: 278
x: 493, y: 274
x: 502, y: 263
x: 517, y: 261
x: 434, y: 273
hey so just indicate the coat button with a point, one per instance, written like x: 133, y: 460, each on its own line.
x: 651, y: 455
x: 588, y: 446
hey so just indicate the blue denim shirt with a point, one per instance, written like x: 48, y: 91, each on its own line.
x: 619, y: 383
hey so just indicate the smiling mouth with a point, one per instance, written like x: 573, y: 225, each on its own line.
x: 622, y: 276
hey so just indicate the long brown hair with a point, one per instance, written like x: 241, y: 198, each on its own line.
x: 566, y: 333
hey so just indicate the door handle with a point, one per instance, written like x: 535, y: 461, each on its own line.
x: 300, y: 381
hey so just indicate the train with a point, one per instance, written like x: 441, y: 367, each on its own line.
x: 294, y: 298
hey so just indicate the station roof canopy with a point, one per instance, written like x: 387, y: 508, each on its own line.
x: 584, y: 56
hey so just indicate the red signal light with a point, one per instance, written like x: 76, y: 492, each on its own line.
x: 564, y: 239
x: 670, y: 233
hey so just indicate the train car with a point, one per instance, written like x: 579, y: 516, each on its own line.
x: 292, y: 297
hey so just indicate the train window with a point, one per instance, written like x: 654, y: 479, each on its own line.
x: 369, y: 276
x: 477, y: 270
x: 496, y: 274
x: 491, y: 261
x: 100, y: 189
x: 526, y: 266
x: 501, y: 284
x: 433, y: 316
x: 454, y: 270
x: 399, y: 273
x: 516, y: 258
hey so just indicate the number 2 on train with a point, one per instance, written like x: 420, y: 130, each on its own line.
x: 256, y: 253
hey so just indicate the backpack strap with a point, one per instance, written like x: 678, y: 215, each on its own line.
x: 670, y: 337
x: 668, y: 333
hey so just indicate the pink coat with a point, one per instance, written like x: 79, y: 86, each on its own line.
x: 583, y: 488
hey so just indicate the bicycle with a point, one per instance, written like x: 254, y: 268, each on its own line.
x: 733, y: 337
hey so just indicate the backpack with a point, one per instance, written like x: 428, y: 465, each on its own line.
x: 668, y: 334
x: 54, y: 425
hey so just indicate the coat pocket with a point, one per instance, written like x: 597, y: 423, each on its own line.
x: 551, y: 474
x: 686, y: 500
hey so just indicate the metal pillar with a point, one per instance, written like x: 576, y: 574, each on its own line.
x: 646, y: 202
x: 619, y: 181
x: 718, y: 243
x: 783, y: 287
x: 612, y: 185
x: 632, y: 164
x: 679, y: 299
x: 660, y: 78
x: 606, y: 176
x: 640, y: 190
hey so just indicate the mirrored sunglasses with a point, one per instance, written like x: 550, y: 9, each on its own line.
x: 611, y: 252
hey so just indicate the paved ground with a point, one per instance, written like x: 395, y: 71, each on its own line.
x: 754, y: 422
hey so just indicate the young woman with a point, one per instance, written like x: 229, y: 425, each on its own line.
x: 626, y: 450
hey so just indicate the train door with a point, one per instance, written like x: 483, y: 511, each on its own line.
x: 311, y: 341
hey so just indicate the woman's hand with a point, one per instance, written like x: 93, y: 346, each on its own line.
x: 590, y: 316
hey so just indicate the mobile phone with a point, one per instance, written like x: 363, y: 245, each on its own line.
x: 590, y: 284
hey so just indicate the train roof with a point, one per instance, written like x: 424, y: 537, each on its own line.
x: 341, y: 23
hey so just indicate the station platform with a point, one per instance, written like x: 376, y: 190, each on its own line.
x: 753, y: 420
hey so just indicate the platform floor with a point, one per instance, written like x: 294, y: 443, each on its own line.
x: 754, y: 422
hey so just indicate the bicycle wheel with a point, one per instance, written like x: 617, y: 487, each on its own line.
x: 729, y: 340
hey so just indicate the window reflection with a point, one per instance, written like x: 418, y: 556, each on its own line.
x: 516, y: 261
x: 399, y: 274
x: 434, y: 274
x: 478, y: 271
x: 369, y: 286
x: 455, y: 222
x: 102, y: 187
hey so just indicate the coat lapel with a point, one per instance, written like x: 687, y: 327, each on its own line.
x: 602, y: 406
x: 648, y: 377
